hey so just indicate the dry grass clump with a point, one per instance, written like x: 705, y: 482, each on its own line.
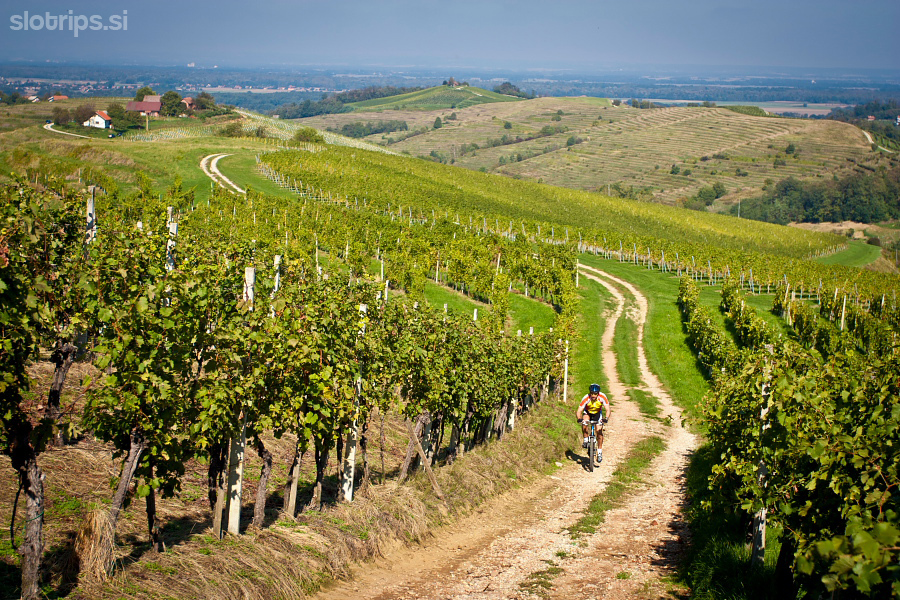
x: 94, y: 550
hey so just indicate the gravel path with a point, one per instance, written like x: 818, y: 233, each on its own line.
x: 210, y: 163
x: 491, y: 553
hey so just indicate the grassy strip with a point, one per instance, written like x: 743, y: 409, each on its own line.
x: 587, y: 357
x: 624, y: 479
x: 859, y: 254
x: 628, y: 366
x: 439, y: 295
x: 625, y: 346
x: 526, y: 312
x: 646, y: 403
x: 540, y: 583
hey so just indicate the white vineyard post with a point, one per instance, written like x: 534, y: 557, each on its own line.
x: 91, y: 226
x: 843, y: 311
x: 170, y: 244
x: 758, y: 548
x: 238, y: 444
x: 475, y: 315
x: 566, y: 374
x: 350, y: 460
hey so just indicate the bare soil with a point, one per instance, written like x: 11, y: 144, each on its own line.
x: 517, y: 545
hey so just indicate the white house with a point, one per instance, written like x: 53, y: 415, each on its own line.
x: 100, y: 120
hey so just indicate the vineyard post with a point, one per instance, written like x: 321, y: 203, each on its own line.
x: 170, y: 246
x: 576, y: 273
x: 238, y: 444
x: 843, y: 311
x: 350, y: 460
x: 475, y: 315
x: 758, y: 549
x: 91, y: 229
x: 566, y: 374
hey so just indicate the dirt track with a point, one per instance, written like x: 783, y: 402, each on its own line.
x: 491, y: 553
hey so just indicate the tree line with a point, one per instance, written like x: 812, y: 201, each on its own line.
x: 866, y: 197
x: 335, y: 104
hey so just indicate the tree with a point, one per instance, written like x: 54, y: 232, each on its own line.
x: 144, y: 91
x: 83, y: 113
x: 437, y: 123
x: 61, y: 115
x: 204, y: 101
x: 675, y: 170
x: 719, y: 189
x: 122, y: 119
x: 507, y: 125
x: 171, y: 104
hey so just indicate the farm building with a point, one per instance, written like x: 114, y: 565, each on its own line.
x: 100, y: 120
x: 150, y: 105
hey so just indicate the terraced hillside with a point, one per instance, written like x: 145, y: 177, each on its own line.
x: 586, y: 143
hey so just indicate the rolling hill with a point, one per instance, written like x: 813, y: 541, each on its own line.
x: 586, y: 143
x: 436, y: 98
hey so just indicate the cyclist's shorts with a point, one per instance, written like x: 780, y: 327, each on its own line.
x: 594, y: 416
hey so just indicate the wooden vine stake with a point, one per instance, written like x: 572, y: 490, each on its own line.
x: 427, y: 464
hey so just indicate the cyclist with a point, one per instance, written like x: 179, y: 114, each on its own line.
x: 593, y: 406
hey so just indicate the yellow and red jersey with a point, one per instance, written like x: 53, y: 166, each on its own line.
x: 593, y: 407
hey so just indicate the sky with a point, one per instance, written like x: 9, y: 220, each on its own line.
x: 580, y: 35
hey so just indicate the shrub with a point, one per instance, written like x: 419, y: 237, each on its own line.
x: 308, y: 135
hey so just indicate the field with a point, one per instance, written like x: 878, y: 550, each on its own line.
x: 626, y: 146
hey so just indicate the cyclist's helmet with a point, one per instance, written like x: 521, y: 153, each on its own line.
x: 594, y: 389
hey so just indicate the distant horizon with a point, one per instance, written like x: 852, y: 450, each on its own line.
x: 367, y: 68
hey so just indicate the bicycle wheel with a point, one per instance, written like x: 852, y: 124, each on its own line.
x: 592, y: 452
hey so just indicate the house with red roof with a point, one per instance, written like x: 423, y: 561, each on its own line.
x: 150, y: 105
x: 100, y: 120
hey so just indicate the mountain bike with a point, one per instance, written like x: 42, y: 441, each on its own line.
x: 592, y: 443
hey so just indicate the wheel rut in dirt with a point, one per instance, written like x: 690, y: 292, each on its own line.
x: 492, y: 553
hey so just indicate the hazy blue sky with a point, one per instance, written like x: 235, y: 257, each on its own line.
x: 577, y: 34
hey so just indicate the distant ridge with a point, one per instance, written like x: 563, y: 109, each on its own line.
x: 435, y: 98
